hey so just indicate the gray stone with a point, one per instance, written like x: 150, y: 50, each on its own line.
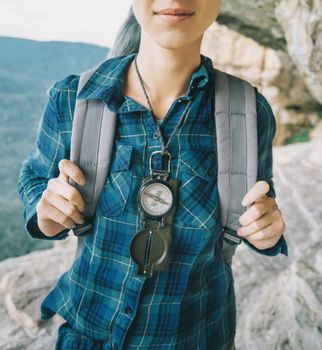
x: 279, y: 299
x: 24, y: 282
x: 284, y: 25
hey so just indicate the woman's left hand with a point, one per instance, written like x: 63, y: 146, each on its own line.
x: 262, y: 224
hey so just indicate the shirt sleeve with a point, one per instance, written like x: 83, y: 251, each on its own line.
x: 266, y: 129
x: 42, y: 163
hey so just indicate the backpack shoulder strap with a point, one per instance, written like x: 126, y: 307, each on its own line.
x: 92, y: 143
x: 236, y: 137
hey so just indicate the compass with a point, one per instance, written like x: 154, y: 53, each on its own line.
x: 156, y: 203
x: 155, y: 197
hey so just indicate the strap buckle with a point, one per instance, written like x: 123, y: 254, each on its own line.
x: 231, y: 237
x: 83, y: 229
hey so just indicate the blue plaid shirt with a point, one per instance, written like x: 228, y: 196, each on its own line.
x: 190, y: 306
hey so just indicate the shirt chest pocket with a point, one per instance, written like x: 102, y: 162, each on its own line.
x: 117, y: 187
x: 198, y: 195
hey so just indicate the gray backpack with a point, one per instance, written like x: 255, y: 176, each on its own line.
x: 235, y: 116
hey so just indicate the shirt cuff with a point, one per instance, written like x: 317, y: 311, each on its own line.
x: 279, y: 247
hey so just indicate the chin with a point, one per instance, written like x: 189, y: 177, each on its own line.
x: 173, y: 43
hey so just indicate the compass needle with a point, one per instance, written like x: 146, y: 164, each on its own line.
x: 148, y: 250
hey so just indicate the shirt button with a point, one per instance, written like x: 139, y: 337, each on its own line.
x: 210, y: 172
x: 156, y: 135
x: 179, y: 101
x: 115, y: 346
x: 128, y: 310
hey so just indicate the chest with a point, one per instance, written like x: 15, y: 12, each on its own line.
x: 188, y: 133
x: 193, y: 163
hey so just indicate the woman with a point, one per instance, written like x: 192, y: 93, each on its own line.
x: 161, y: 88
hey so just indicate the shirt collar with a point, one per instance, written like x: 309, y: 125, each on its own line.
x: 107, y: 82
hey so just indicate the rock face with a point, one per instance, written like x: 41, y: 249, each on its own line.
x: 272, y: 71
x: 25, y: 280
x: 292, y: 26
x: 279, y: 299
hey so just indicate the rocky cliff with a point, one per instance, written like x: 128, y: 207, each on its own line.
x: 294, y: 27
x: 271, y: 69
x: 279, y: 299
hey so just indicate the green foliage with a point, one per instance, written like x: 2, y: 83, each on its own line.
x: 300, y: 136
x: 27, y: 69
x: 303, y: 135
x: 320, y: 112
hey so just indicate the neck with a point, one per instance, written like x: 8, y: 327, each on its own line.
x: 166, y: 73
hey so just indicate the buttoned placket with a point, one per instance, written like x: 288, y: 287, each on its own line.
x: 135, y: 283
x: 127, y: 314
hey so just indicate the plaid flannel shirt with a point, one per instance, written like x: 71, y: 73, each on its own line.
x: 190, y: 306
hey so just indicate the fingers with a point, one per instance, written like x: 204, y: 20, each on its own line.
x: 257, y: 210
x: 61, y: 203
x: 68, y: 169
x: 67, y: 191
x: 255, y: 229
x: 257, y: 192
x: 48, y: 211
x: 67, y: 208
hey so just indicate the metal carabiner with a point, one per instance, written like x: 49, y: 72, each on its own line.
x: 162, y: 153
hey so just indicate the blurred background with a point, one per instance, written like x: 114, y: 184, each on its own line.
x: 277, y: 46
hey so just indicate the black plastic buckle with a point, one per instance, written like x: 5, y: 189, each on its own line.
x: 231, y: 236
x: 83, y: 229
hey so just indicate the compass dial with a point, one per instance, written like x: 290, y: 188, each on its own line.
x: 156, y: 199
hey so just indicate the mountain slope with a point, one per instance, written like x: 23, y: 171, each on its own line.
x: 27, y: 69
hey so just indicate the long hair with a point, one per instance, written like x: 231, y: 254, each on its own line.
x: 128, y: 37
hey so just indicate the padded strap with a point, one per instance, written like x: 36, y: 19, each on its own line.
x: 236, y: 137
x: 91, y: 148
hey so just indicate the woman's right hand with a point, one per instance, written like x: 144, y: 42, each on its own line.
x: 61, y: 203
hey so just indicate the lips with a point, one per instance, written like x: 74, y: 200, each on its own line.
x: 174, y: 12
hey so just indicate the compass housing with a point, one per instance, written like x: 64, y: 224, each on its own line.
x: 144, y: 187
